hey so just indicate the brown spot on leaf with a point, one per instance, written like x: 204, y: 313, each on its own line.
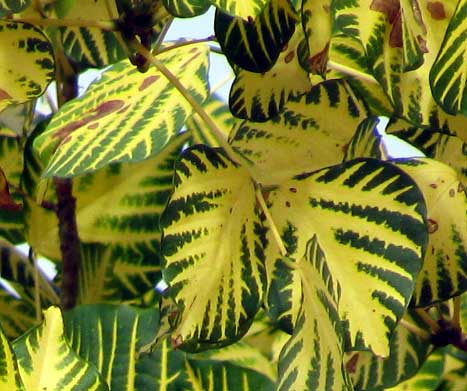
x: 351, y: 365
x: 100, y: 111
x: 452, y: 192
x: 293, y: 189
x: 147, y: 82
x: 392, y: 9
x: 460, y: 188
x: 432, y: 226
x: 94, y: 125
x: 6, y: 200
x: 4, y: 95
x: 287, y: 204
x: 433, y: 185
x: 289, y: 56
x: 436, y: 9
x: 319, y: 62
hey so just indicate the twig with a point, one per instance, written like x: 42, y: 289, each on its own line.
x: 428, y: 319
x: 415, y: 329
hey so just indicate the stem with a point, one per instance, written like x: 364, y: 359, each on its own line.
x: 37, y: 291
x: 351, y: 72
x: 69, y: 242
x: 196, y: 107
x: 456, y: 316
x: 181, y: 43
x: 272, y: 225
x: 428, y: 319
x: 415, y: 329
x: 106, y: 25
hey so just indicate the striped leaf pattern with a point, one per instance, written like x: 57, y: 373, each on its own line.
x: 213, y: 235
x: 317, y: 23
x: 186, y: 8
x: 125, y: 116
x: 260, y: 96
x: 11, y: 163
x: 9, y: 373
x: 110, y: 337
x: 12, y: 6
x: 33, y: 69
x: 448, y: 76
x: 368, y: 217
x: 444, y: 271
x: 305, y: 136
x: 312, y: 359
x: 255, y: 46
x: 17, y: 315
x: 407, y: 354
x: 366, y: 141
x: 219, y: 112
x: 428, y: 377
x: 245, y: 9
x: 64, y: 369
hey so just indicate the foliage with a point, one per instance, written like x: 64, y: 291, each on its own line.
x: 298, y: 252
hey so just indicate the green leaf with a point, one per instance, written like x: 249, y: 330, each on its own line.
x: 126, y: 116
x: 12, y: 6
x: 260, y: 96
x: 33, y: 69
x: 368, y: 217
x: 305, y: 136
x: 448, y: 75
x: 111, y: 337
x: 366, y: 142
x: 64, y: 369
x: 444, y: 271
x: 245, y: 9
x: 454, y: 381
x: 313, y: 357
x: 407, y: 353
x: 428, y: 377
x: 9, y: 373
x: 255, y: 46
x: 219, y: 112
x: 186, y: 8
x: 213, y: 236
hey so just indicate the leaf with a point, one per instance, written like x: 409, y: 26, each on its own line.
x: 6, y: 200
x: 256, y: 45
x: 428, y: 377
x: 213, y: 235
x: 126, y: 116
x: 317, y: 23
x: 407, y: 353
x: 9, y: 374
x: 219, y: 112
x: 312, y: 358
x: 33, y: 69
x: 304, y: 137
x: 110, y: 337
x: 444, y: 271
x: 453, y: 381
x: 367, y: 142
x: 448, y: 75
x: 368, y: 217
x: 260, y: 96
x: 245, y: 9
x: 186, y: 8
x: 12, y: 6
x: 64, y: 369
x: 17, y: 315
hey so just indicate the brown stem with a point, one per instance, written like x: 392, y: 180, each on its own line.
x: 69, y: 242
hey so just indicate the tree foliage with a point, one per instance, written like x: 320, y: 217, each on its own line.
x: 298, y: 252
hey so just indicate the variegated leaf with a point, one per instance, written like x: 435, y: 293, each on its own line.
x: 32, y: 70
x: 366, y: 142
x: 126, y: 116
x: 17, y: 315
x: 428, y: 377
x: 305, y: 136
x: 9, y: 373
x: 12, y: 6
x: 313, y: 357
x: 444, y: 271
x: 368, y: 217
x: 260, y: 96
x: 455, y: 380
x: 317, y: 23
x: 219, y: 112
x: 255, y: 45
x: 246, y: 9
x: 186, y: 8
x: 6, y: 200
x: 407, y: 353
x: 213, y: 237
x: 47, y: 362
x: 448, y: 76
x: 450, y: 150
